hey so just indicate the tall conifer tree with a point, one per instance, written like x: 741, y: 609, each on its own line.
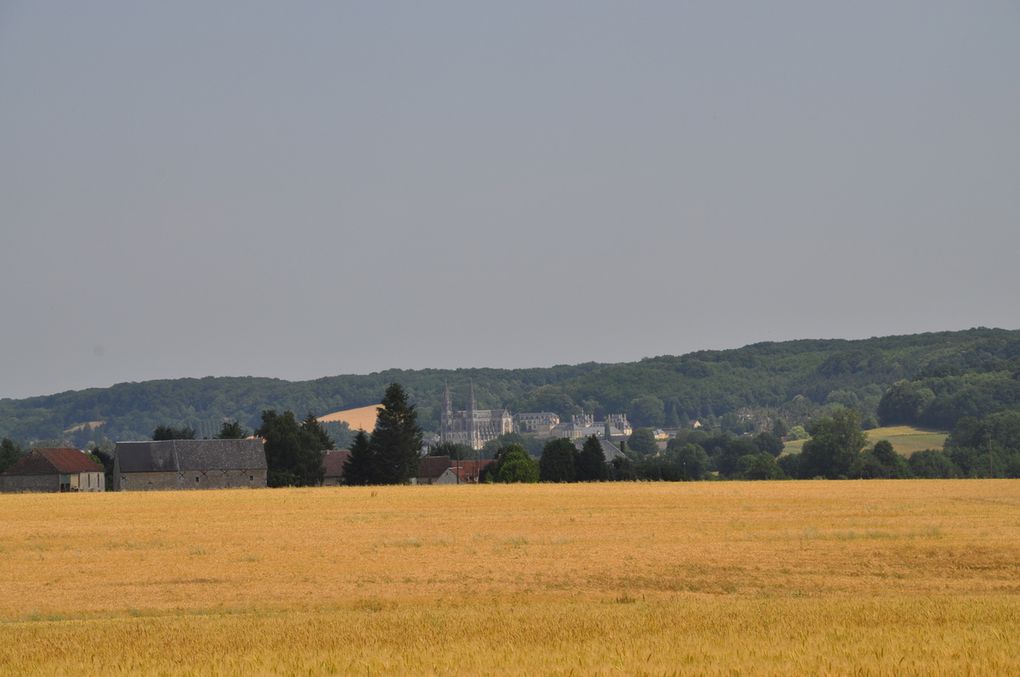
x: 360, y: 467
x: 591, y: 462
x: 397, y: 438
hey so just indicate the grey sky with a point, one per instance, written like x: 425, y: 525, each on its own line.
x: 305, y: 189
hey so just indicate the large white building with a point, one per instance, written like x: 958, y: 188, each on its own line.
x: 615, y: 426
x: 535, y: 421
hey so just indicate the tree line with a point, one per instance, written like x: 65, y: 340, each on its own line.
x: 968, y: 373
x: 838, y: 448
x: 986, y: 446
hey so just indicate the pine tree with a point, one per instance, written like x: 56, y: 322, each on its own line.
x: 360, y: 467
x: 591, y: 462
x: 557, y: 462
x: 397, y: 438
x: 316, y: 432
x: 10, y: 452
x: 672, y: 419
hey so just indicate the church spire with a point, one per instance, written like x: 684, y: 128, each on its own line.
x: 472, y: 433
x: 447, y: 416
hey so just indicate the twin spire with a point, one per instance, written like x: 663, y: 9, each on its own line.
x: 472, y: 432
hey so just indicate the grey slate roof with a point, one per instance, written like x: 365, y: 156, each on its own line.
x: 184, y: 455
x: 609, y: 450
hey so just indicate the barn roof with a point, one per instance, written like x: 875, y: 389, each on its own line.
x: 184, y: 455
x: 333, y: 462
x: 432, y: 467
x: 470, y: 471
x: 52, y: 462
x: 609, y: 450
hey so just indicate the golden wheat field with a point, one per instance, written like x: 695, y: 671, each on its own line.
x: 773, y: 577
x: 361, y: 418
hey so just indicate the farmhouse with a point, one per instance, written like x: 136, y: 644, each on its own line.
x: 431, y: 470
x: 53, y: 470
x: 333, y: 467
x: 468, y: 472
x: 189, y: 464
x: 444, y: 470
x: 614, y: 427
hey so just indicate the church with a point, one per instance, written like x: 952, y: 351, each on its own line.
x: 473, y: 427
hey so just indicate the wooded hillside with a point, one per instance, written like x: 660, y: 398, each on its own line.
x: 941, y: 376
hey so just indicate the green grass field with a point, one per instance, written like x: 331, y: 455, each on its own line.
x: 905, y: 439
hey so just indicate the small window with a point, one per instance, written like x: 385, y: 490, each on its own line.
x: 251, y: 478
x: 196, y: 479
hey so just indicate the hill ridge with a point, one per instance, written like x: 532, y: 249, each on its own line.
x: 790, y: 378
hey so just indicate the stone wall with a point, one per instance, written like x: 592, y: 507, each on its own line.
x: 19, y: 483
x: 192, y: 479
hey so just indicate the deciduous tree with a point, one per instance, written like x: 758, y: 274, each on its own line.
x: 690, y: 460
x: 647, y: 410
x: 760, y: 466
x: 231, y: 430
x: 834, y: 445
x: 514, y: 465
x: 642, y: 442
x: 293, y: 450
x: 167, y: 432
x: 769, y: 443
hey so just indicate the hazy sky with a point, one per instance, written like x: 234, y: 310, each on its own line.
x: 301, y: 189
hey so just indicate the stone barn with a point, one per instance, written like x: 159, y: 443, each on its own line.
x: 53, y: 470
x: 189, y: 464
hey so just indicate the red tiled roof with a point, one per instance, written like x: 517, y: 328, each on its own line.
x: 469, y: 471
x: 333, y: 462
x: 53, y: 461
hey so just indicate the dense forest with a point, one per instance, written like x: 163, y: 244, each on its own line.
x: 929, y: 379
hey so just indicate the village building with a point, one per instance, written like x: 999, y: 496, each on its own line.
x: 53, y: 470
x: 468, y: 471
x: 189, y: 464
x: 431, y: 468
x: 444, y: 470
x: 614, y: 427
x: 540, y: 422
x: 609, y: 450
x: 333, y: 467
x: 472, y: 426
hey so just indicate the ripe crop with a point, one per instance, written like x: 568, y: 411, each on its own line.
x: 879, y: 576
